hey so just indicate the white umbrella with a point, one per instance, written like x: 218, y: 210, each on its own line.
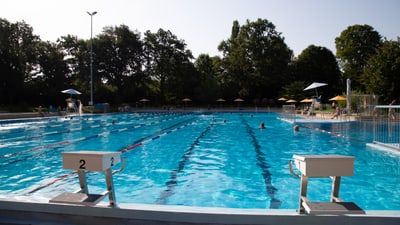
x: 71, y: 92
x: 144, y: 100
x: 315, y: 85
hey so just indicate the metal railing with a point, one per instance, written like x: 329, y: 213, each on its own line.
x: 386, y: 128
x: 289, y: 113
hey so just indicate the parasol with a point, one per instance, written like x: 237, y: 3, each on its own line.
x: 282, y: 99
x: 338, y: 98
x: 71, y: 92
x: 144, y: 100
x: 315, y: 85
x: 238, y: 100
x: 291, y: 101
x: 306, y: 100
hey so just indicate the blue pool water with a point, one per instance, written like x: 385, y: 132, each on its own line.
x: 196, y: 159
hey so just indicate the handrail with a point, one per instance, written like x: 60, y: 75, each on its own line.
x: 122, y: 166
x: 291, y: 170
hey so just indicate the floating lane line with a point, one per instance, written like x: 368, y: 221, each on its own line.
x: 103, y: 123
x: 86, y: 126
x: 335, y: 134
x: 146, y: 140
x: 82, y: 139
x: 52, y: 182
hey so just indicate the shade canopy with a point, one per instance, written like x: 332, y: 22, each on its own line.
x: 71, y: 92
x: 186, y: 100
x: 282, y: 99
x: 291, y: 101
x: 338, y: 98
x: 306, y: 100
x: 315, y: 85
x: 238, y: 100
x: 220, y: 100
x: 144, y: 100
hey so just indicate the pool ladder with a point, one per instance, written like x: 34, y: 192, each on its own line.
x: 88, y: 161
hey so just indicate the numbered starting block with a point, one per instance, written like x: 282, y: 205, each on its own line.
x: 83, y: 162
x: 320, y: 166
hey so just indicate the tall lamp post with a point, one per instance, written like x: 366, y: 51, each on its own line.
x: 91, y: 56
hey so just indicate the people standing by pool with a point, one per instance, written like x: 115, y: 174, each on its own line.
x: 392, y: 112
x: 337, y: 113
x: 40, y: 111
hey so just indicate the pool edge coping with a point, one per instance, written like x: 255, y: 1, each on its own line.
x: 150, y: 214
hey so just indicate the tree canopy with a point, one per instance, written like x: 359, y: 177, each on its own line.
x: 256, y: 59
x: 255, y: 64
x: 354, y: 47
x: 381, y: 75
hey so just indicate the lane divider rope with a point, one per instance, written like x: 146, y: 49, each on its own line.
x: 83, y: 138
x: 129, y: 148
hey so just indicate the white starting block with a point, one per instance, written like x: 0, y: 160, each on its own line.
x: 84, y: 161
x: 333, y: 166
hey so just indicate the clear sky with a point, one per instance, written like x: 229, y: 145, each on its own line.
x: 203, y: 24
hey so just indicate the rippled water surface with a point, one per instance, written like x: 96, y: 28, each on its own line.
x: 196, y: 159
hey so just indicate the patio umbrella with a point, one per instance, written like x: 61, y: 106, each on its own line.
x: 282, y: 99
x: 291, y: 101
x: 220, y: 100
x: 338, y: 98
x: 238, y: 100
x: 144, y: 100
x: 186, y: 100
x: 71, y: 92
x: 315, y: 85
x: 306, y: 100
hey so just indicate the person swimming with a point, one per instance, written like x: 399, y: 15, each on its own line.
x: 262, y: 125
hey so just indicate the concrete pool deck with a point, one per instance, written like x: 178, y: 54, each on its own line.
x: 35, y: 213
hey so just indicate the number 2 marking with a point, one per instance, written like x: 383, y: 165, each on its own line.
x: 82, y: 163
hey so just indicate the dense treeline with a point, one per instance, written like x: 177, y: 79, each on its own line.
x: 256, y: 64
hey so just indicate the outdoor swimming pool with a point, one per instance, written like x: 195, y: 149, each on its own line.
x: 195, y: 159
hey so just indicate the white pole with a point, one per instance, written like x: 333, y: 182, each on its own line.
x: 348, y: 90
x: 91, y: 56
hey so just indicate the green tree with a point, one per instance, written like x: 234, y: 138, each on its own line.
x: 318, y: 64
x: 18, y: 48
x: 119, y: 59
x: 255, y: 59
x: 381, y: 75
x: 294, y: 90
x: 168, y: 64
x: 77, y: 60
x: 50, y: 77
x: 354, y: 47
x: 207, y: 90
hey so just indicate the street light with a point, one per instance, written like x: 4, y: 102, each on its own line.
x: 91, y: 56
